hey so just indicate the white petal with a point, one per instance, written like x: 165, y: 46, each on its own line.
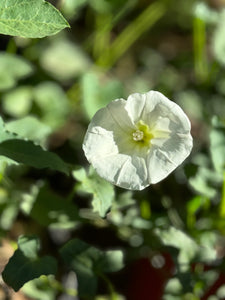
x: 108, y: 126
x: 99, y: 143
x: 154, y: 108
x: 166, y: 155
x: 139, y: 106
x: 124, y: 171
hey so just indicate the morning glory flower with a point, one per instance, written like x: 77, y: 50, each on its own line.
x: 138, y: 142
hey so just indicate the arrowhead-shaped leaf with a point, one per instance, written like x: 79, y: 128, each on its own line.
x: 13, y: 67
x: 26, y: 152
x: 25, y: 264
x: 89, y: 262
x: 30, y: 18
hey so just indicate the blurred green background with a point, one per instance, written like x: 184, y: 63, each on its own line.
x: 172, y: 234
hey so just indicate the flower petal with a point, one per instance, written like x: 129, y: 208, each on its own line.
x: 166, y: 155
x: 153, y: 107
x: 109, y: 126
x: 124, y: 171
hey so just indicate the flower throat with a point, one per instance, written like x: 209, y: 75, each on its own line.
x: 143, y: 134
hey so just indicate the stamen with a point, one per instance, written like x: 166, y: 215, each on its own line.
x: 138, y: 135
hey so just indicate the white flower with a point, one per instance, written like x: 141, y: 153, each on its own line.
x: 138, y: 142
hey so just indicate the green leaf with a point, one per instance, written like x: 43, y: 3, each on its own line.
x: 102, y: 191
x: 26, y: 152
x: 40, y: 288
x: 217, y: 148
x: 89, y: 262
x: 31, y: 128
x: 13, y: 67
x: 111, y: 261
x: 218, y: 39
x: 95, y: 94
x: 5, y: 134
x: 29, y: 246
x: 18, y: 102
x: 64, y: 60
x: 53, y: 103
x: 25, y: 264
x: 50, y: 208
x: 189, y: 249
x: 30, y: 18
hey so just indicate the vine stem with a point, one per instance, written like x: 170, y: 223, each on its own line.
x: 113, y: 294
x: 131, y: 33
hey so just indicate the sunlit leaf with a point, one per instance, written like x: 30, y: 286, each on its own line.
x: 102, y: 191
x: 178, y: 239
x: 18, y: 102
x: 95, y: 94
x: 25, y: 264
x: 53, y: 103
x: 13, y: 67
x: 205, y: 13
x: 64, y: 60
x: 30, y: 18
x: 39, y: 289
x: 219, y: 40
x: 217, y: 147
x: 189, y: 249
x: 31, y: 128
x: 202, y: 179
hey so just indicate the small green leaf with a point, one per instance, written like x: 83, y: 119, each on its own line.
x: 18, y: 102
x: 111, y: 261
x: 30, y: 128
x: 95, y: 94
x: 13, y: 67
x: 40, y: 288
x: 218, y: 41
x: 64, y: 60
x: 29, y: 246
x: 50, y: 208
x: 25, y: 264
x: 217, y: 148
x: 89, y: 262
x: 53, y: 103
x: 102, y: 191
x: 5, y: 134
x: 30, y: 18
x: 180, y: 240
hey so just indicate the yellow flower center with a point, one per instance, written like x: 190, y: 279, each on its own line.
x: 143, y: 134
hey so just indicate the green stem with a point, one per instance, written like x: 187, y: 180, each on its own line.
x: 102, y: 35
x: 222, y: 204
x: 113, y: 294
x: 200, y: 58
x: 131, y: 33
